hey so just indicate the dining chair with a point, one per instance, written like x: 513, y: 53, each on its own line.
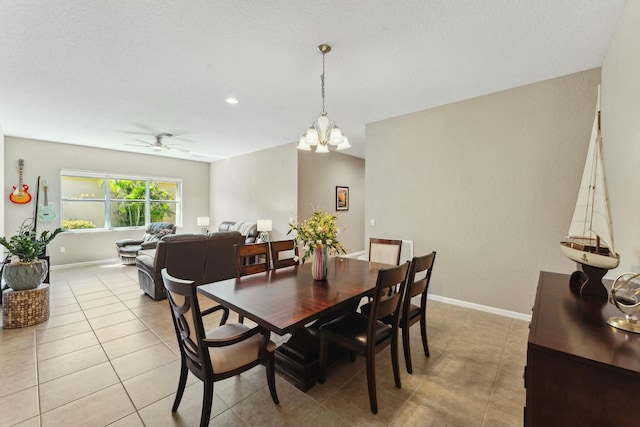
x: 288, y: 247
x: 417, y: 284
x: 418, y: 280
x: 367, y: 335
x: 386, y: 251
x: 251, y: 258
x: 226, y: 351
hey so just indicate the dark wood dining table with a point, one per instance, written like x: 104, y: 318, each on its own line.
x: 289, y: 301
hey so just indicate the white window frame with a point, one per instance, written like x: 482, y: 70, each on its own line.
x: 108, y: 199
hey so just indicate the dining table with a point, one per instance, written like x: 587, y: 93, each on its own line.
x: 289, y: 302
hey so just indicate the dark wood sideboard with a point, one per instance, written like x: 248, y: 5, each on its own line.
x: 580, y: 371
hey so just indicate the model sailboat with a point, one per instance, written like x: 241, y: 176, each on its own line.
x: 590, y: 239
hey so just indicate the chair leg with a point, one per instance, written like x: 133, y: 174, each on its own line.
x: 406, y: 345
x: 271, y: 378
x: 423, y: 332
x: 207, y: 400
x: 225, y: 317
x: 322, y: 359
x: 371, y: 382
x: 184, y: 371
x: 395, y: 362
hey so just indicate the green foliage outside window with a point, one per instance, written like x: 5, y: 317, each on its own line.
x: 77, y: 224
x: 132, y: 213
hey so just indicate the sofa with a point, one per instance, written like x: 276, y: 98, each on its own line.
x: 247, y: 229
x: 203, y: 258
x: 128, y: 248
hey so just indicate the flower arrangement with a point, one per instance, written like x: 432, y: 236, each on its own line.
x: 318, y: 231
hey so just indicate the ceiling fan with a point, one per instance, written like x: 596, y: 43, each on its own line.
x: 158, y: 145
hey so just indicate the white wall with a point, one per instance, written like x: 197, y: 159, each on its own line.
x: 489, y: 183
x: 621, y: 135
x: 46, y: 159
x: 318, y: 176
x: 259, y: 185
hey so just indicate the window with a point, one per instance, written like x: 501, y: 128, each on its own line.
x: 107, y: 201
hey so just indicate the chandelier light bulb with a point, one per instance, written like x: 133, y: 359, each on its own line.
x: 344, y: 144
x: 311, y: 137
x: 302, y: 144
x: 322, y: 148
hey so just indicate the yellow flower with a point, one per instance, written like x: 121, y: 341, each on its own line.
x: 320, y: 229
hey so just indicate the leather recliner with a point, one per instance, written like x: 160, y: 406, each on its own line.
x: 128, y: 248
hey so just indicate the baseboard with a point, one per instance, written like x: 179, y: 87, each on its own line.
x: 485, y: 308
x: 85, y: 264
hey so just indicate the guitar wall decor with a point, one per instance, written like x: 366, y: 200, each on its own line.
x: 46, y: 212
x: 20, y: 193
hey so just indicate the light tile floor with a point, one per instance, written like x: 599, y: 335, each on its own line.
x: 108, y: 356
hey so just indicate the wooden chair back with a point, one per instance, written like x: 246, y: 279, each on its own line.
x: 187, y: 322
x: 386, y: 251
x: 387, y: 296
x: 420, y: 266
x: 288, y: 247
x: 252, y: 258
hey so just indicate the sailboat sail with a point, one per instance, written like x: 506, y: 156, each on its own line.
x: 590, y: 239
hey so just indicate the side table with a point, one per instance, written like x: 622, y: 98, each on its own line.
x: 25, y: 308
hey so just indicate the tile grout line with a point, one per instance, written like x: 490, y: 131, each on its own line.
x: 495, y: 380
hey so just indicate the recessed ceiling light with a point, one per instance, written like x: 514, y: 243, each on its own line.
x: 231, y: 100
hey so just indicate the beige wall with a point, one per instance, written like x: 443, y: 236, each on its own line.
x: 46, y: 159
x: 260, y: 185
x: 283, y: 183
x: 318, y: 176
x: 621, y: 136
x: 489, y: 183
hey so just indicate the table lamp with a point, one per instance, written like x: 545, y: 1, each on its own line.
x: 203, y: 223
x: 264, y: 227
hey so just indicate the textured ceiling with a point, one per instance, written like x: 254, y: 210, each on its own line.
x: 106, y: 73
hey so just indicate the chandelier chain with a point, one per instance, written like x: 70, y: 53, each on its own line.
x: 322, y: 81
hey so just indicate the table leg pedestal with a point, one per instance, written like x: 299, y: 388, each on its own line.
x: 297, y: 359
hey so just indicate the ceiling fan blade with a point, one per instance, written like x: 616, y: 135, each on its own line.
x: 177, y: 147
x: 136, y: 145
x: 130, y: 132
x: 144, y: 142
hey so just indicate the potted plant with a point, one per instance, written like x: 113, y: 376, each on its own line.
x: 25, y: 270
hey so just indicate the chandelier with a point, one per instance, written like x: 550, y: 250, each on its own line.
x: 323, y: 132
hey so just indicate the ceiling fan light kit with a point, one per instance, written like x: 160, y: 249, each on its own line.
x: 159, y: 146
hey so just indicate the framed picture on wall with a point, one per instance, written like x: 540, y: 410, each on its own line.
x: 342, y: 198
